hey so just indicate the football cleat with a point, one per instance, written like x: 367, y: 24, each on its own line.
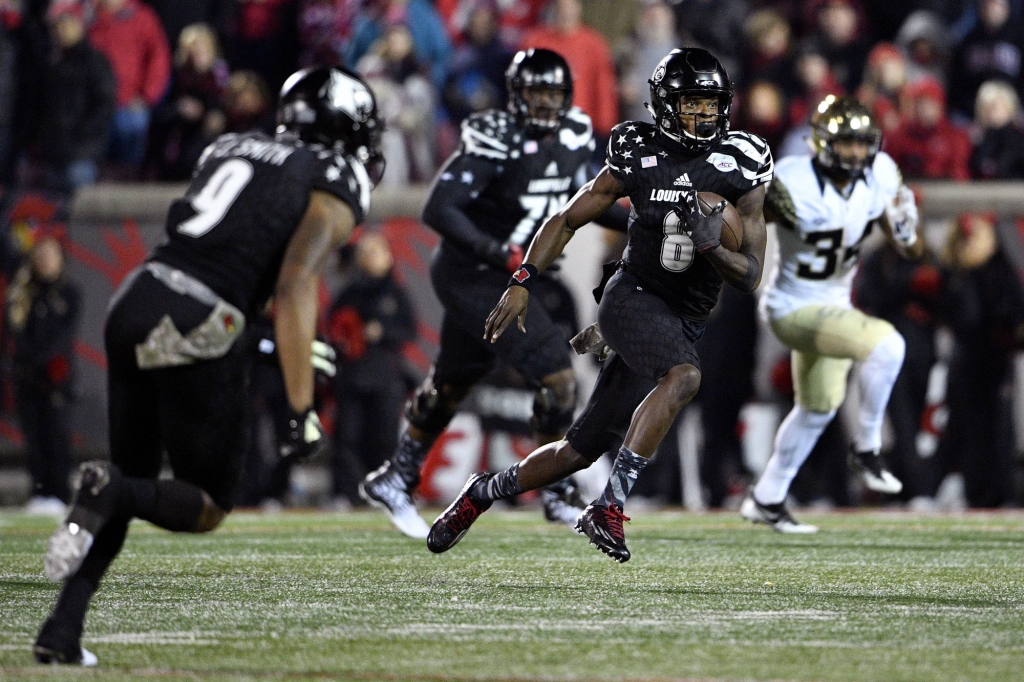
x: 564, y: 507
x: 91, y: 508
x: 58, y: 645
x: 603, y: 525
x: 876, y: 477
x: 455, y: 521
x: 774, y: 515
x: 385, y: 489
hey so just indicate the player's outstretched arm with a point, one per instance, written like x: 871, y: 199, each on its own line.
x: 326, y: 225
x: 742, y: 269
x: 593, y: 199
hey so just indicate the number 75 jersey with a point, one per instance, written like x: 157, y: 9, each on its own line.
x: 820, y: 231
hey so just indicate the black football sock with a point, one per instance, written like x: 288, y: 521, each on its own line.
x: 170, y: 504
x: 625, y: 470
x: 408, y: 459
x: 69, y: 612
x: 498, y: 486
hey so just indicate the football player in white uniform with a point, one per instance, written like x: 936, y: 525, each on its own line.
x: 824, y: 207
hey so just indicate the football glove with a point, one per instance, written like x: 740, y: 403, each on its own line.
x: 903, y: 218
x: 324, y: 358
x: 304, y: 436
x: 705, y: 230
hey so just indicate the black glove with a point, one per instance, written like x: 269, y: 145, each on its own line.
x: 304, y: 437
x: 705, y: 230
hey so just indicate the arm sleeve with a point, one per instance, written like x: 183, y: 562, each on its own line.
x: 458, y: 184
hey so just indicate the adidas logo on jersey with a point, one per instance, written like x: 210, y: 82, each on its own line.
x: 683, y: 181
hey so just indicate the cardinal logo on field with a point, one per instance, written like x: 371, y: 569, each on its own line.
x: 521, y: 275
x: 683, y: 181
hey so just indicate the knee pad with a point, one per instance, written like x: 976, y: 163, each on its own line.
x: 553, y: 409
x: 430, y: 409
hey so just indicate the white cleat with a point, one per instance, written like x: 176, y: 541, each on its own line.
x: 774, y: 515
x: 89, y: 659
x: 558, y: 510
x: 876, y: 477
x: 385, y: 490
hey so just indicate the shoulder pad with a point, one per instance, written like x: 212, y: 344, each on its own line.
x: 343, y: 176
x: 628, y: 142
x: 887, y: 173
x: 750, y: 152
x: 489, y: 134
x: 577, y: 130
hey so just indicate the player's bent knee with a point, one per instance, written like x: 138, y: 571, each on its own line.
x: 683, y: 381
x: 570, y: 460
x: 554, y: 403
x: 431, y: 407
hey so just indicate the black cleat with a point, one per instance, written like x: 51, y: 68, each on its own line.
x: 56, y: 644
x: 455, y: 521
x: 774, y: 515
x: 93, y: 505
x: 603, y: 525
x: 871, y: 467
x: 385, y: 489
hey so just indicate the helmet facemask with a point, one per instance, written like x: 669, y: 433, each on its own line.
x: 539, y: 90
x: 844, y: 120
x: 544, y: 107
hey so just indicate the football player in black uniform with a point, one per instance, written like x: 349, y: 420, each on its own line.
x: 260, y: 218
x: 654, y: 307
x: 513, y: 170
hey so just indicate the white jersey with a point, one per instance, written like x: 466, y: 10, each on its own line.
x: 820, y: 231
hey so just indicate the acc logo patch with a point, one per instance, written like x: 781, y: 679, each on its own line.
x: 722, y: 162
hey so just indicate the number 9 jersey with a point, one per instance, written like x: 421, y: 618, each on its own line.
x: 820, y: 231
x: 247, y: 196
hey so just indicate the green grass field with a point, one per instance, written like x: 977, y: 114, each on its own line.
x: 873, y: 597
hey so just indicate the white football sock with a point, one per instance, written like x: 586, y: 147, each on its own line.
x: 797, y: 435
x: 876, y: 377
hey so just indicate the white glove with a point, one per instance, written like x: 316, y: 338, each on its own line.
x: 324, y: 358
x: 903, y: 218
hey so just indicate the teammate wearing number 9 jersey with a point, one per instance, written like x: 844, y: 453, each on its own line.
x: 824, y: 207
x: 512, y: 170
x: 260, y: 218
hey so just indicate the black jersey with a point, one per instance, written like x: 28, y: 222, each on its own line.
x: 247, y: 197
x: 655, y: 173
x: 507, y: 183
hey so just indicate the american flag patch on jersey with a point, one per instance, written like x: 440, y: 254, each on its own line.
x: 648, y: 161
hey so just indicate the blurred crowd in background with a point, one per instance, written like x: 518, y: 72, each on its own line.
x: 133, y: 90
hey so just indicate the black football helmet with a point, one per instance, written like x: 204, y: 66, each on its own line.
x: 843, y: 118
x: 336, y: 108
x: 690, y: 71
x: 541, y: 69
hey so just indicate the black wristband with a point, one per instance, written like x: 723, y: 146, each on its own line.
x: 749, y: 281
x: 524, y: 277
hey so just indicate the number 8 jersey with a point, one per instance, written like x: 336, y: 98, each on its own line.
x: 247, y: 196
x: 820, y: 231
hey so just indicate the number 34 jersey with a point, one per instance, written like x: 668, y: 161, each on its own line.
x: 820, y: 231
x: 656, y: 174
x: 248, y: 194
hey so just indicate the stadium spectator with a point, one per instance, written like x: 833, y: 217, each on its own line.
x: 515, y: 17
x: 369, y: 322
x: 324, y: 28
x: 405, y: 100
x: 926, y: 145
x: 265, y: 39
x: 926, y: 41
x: 78, y: 97
x: 175, y: 15
x: 655, y: 37
x: 985, y: 300
x: 191, y: 117
x: 248, y: 104
x: 614, y: 19
x: 815, y: 80
x: 770, y: 56
x: 129, y: 34
x: 716, y: 25
x: 838, y: 38
x: 906, y: 293
x: 477, y: 78
x: 994, y: 49
x: 429, y: 38
x: 42, y: 316
x: 999, y: 146
x: 10, y: 20
x: 762, y: 111
x: 884, y: 78
x: 590, y: 59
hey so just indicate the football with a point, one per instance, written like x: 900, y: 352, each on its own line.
x: 732, y: 226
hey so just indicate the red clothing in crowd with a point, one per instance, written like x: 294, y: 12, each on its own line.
x: 593, y: 72
x: 260, y: 19
x: 134, y: 42
x: 514, y: 18
x: 930, y: 153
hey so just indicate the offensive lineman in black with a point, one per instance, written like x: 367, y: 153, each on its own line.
x: 260, y: 218
x: 512, y: 171
x: 655, y: 306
